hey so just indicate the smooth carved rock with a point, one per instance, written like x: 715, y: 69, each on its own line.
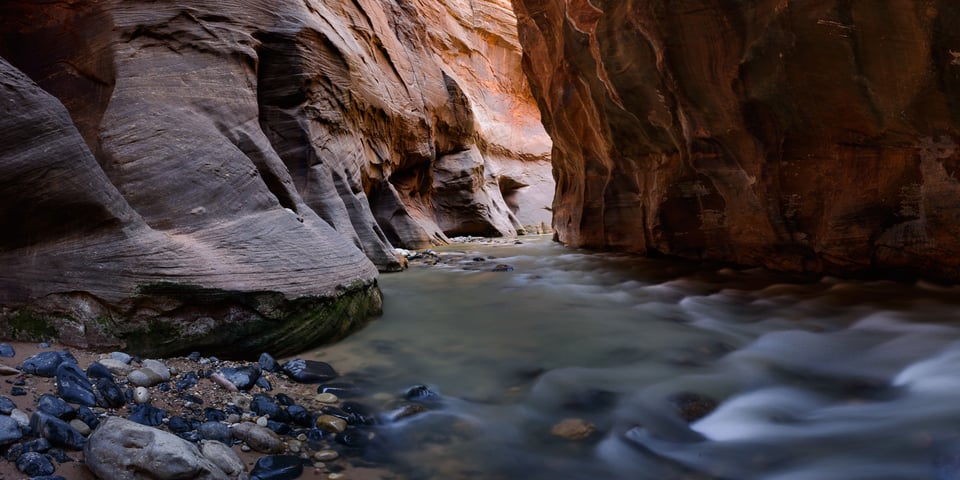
x: 78, y: 250
x: 812, y: 136
x: 122, y: 450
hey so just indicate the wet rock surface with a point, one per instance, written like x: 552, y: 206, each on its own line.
x: 709, y: 130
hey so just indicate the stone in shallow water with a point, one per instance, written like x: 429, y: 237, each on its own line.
x: 7, y: 351
x: 360, y: 414
x: 590, y: 400
x: 55, y: 406
x: 299, y: 415
x: 502, y: 268
x: 56, y: 431
x: 44, y: 364
x: 309, y: 371
x: 331, y: 423
x: 73, y: 385
x: 277, y: 467
x: 35, y: 464
x: 423, y: 394
x: 341, y: 389
x: 692, y: 406
x: 9, y: 430
x: 244, y: 378
x: 573, y: 429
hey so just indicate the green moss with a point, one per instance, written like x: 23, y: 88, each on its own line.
x: 27, y: 325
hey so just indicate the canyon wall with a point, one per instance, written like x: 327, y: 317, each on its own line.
x: 231, y: 175
x: 812, y: 136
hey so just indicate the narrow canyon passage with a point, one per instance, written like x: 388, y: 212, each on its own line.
x: 795, y: 377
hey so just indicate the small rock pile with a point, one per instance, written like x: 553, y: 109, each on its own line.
x: 191, y: 417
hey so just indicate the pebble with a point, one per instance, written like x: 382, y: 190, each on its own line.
x: 9, y: 430
x: 110, y: 394
x: 423, y: 394
x: 309, y: 371
x: 692, y: 406
x: 335, y: 476
x: 341, y: 389
x: 222, y: 456
x: 326, y: 455
x: 35, y: 464
x: 141, y: 395
x: 56, y: 431
x: 268, y: 363
x: 144, y: 377
x: 221, y: 380
x: 157, y: 367
x: 264, y: 405
x: 502, y: 268
x: 73, y: 385
x: 259, y: 438
x: 244, y: 378
x: 21, y: 418
x: 331, y: 423
x: 146, y: 414
x: 7, y: 351
x: 262, y: 421
x: 44, y: 364
x: 88, y: 417
x: 573, y: 429
x: 121, y: 357
x: 17, y: 392
x: 80, y: 426
x: 116, y: 367
x: 52, y: 405
x: 7, y: 405
x: 6, y: 370
x: 327, y: 398
x: 217, y: 431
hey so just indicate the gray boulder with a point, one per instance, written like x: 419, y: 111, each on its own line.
x: 122, y: 450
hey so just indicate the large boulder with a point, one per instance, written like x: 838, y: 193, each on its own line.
x: 815, y: 136
x: 122, y: 450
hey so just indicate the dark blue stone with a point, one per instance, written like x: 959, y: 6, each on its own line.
x: 336, y: 412
x: 44, y: 364
x: 87, y: 416
x: 299, y: 415
x: 146, y: 414
x: 56, y: 407
x: 57, y: 431
x: 341, y: 389
x: 285, y: 400
x: 9, y: 430
x: 264, y: 405
x: 279, y: 428
x: 194, y: 356
x: 423, y: 394
x: 216, y: 431
x: 73, y: 385
x: 7, y: 351
x: 264, y: 384
x: 214, y: 415
x: 179, y: 425
x: 187, y: 380
x: 360, y: 414
x: 17, y: 392
x: 111, y: 394
x: 164, y: 387
x: 309, y: 371
x: 59, y: 455
x: 38, y: 445
x: 268, y: 363
x: 96, y: 370
x: 191, y: 398
x: 243, y: 377
x: 192, y: 436
x: 48, y: 477
x: 6, y: 405
x: 233, y: 410
x: 277, y: 467
x: 35, y: 464
x: 353, y: 439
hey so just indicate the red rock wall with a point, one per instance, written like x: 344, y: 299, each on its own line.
x: 816, y: 136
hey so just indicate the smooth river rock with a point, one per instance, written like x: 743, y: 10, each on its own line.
x: 123, y: 450
x: 813, y: 136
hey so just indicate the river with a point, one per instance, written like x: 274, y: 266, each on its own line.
x: 816, y: 378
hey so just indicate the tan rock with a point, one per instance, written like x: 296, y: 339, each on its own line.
x: 573, y: 429
x: 331, y: 423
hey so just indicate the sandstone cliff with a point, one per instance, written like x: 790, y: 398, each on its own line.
x: 216, y: 162
x: 817, y: 136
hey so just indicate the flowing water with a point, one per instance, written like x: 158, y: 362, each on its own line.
x: 816, y: 378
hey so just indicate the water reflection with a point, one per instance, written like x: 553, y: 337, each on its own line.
x: 815, y: 378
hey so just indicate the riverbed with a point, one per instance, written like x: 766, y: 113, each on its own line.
x: 814, y: 378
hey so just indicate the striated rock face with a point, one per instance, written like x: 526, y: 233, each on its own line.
x: 233, y: 173
x: 816, y: 136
